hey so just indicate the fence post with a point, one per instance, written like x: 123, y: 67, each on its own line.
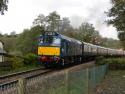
x: 95, y: 76
x: 66, y: 82
x: 107, y: 68
x: 21, y: 86
x: 87, y: 80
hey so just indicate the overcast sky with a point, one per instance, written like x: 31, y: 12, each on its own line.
x: 21, y: 14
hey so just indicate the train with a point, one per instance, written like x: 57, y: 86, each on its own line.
x: 55, y: 49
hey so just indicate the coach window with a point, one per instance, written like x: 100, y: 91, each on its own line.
x: 85, y: 48
x: 90, y: 48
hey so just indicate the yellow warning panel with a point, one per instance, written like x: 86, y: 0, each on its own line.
x: 48, y: 51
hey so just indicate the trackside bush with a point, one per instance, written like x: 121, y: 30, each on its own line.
x: 16, y: 62
x: 31, y: 59
x: 114, y: 63
x: 99, y: 60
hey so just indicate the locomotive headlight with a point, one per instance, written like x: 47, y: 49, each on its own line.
x: 44, y: 58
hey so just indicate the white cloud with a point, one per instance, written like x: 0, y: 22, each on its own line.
x: 76, y: 21
x: 21, y: 13
x: 109, y: 32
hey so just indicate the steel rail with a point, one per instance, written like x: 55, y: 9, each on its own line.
x: 19, y: 73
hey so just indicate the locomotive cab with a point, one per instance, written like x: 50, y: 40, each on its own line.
x: 49, y: 48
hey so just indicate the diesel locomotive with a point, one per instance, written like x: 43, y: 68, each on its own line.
x: 55, y: 49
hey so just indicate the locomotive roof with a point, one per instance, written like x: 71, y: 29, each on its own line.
x: 61, y: 36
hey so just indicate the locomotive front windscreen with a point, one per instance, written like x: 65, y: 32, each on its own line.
x: 49, y: 45
x: 49, y: 40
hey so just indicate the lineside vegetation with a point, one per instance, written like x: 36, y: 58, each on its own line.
x: 114, y: 63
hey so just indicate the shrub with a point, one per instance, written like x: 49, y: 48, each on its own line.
x: 31, y: 59
x: 114, y: 63
x: 16, y: 62
x: 99, y: 60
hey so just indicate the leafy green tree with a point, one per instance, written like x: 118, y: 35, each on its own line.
x: 64, y: 25
x: 53, y: 20
x: 111, y: 43
x: 88, y: 33
x: 3, y: 6
x: 117, y: 18
x: 117, y: 14
x: 50, y: 22
x: 28, y: 40
x: 23, y: 43
x: 41, y: 20
x: 121, y: 36
x: 70, y: 33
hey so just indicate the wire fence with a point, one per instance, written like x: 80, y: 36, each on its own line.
x: 80, y: 81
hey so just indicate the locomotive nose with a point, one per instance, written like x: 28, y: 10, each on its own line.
x: 50, y: 59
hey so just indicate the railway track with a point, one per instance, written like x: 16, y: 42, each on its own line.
x: 32, y: 73
x: 23, y: 74
x: 9, y: 85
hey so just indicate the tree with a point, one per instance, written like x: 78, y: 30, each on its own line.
x: 88, y: 33
x: 117, y: 18
x: 64, y: 24
x: 117, y: 14
x: 41, y: 20
x: 121, y: 35
x: 3, y: 6
x: 28, y: 40
x: 53, y: 20
x: 50, y: 22
x: 71, y: 32
x: 111, y: 43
